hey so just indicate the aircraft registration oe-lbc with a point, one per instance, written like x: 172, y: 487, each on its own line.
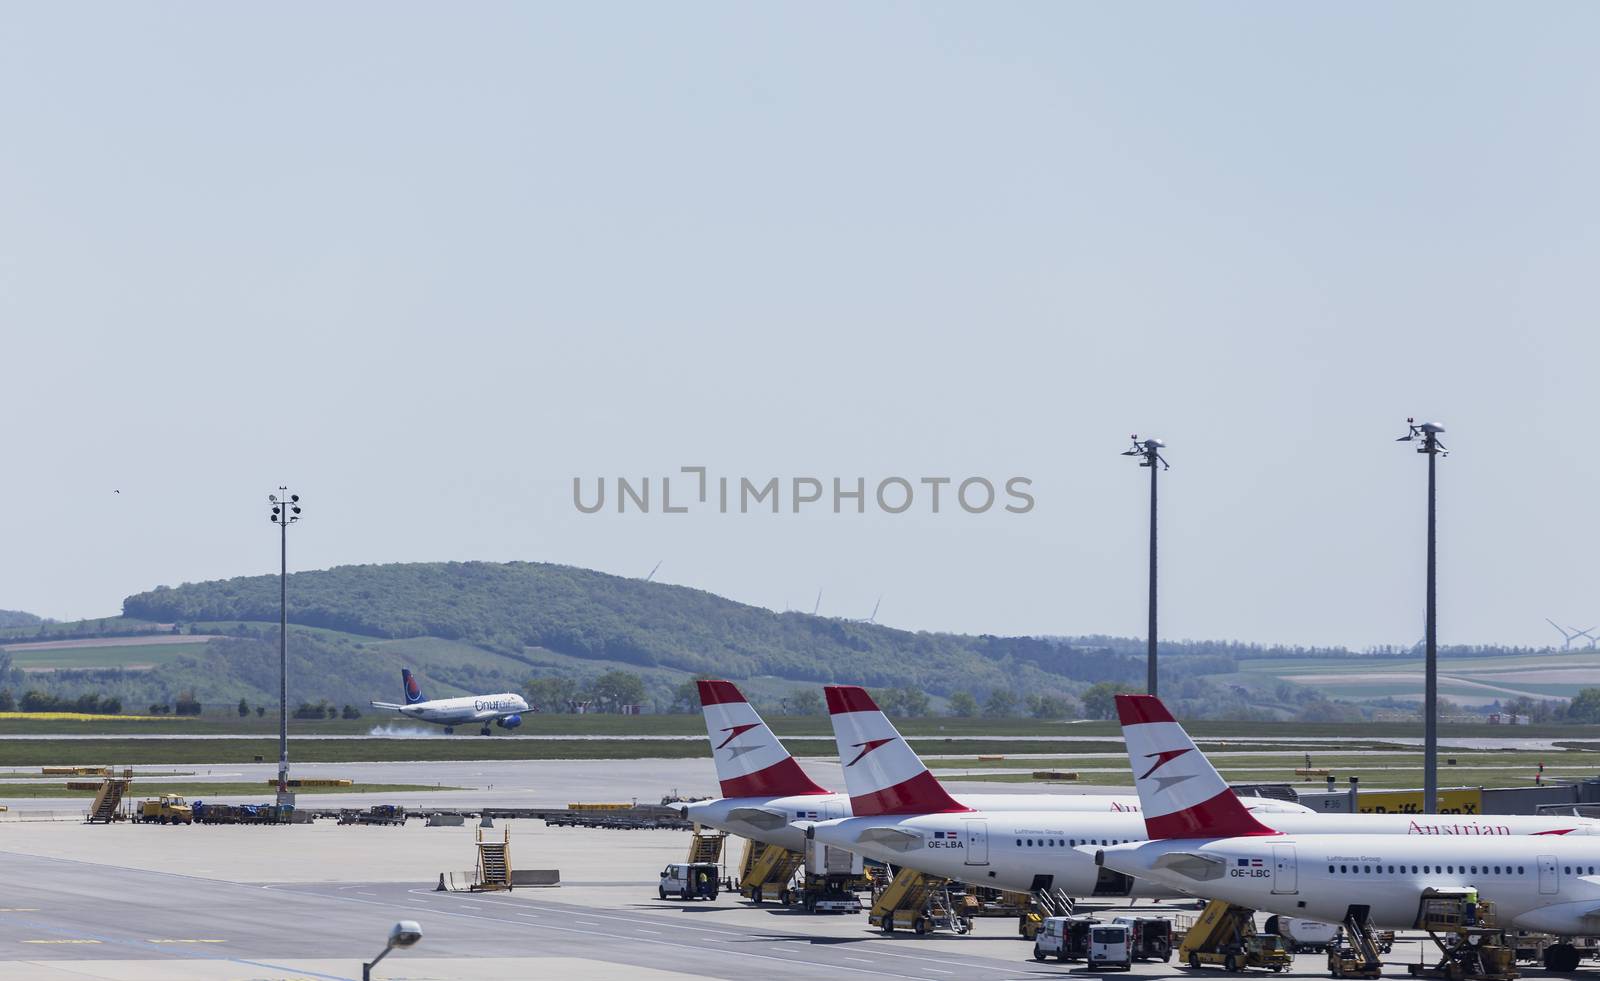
x: 765, y: 791
x: 1204, y: 845
x: 504, y: 710
x: 904, y: 817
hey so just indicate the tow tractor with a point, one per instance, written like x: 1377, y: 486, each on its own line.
x: 1471, y: 944
x: 166, y: 809
x: 1226, y: 934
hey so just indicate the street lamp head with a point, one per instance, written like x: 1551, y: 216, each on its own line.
x: 1431, y: 427
x: 405, y: 933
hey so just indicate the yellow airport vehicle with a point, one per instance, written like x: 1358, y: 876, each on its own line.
x: 767, y: 870
x: 1471, y: 945
x: 1226, y: 934
x: 166, y: 809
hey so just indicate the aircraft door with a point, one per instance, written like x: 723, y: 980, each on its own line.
x: 1548, y: 880
x: 1285, y: 876
x: 976, y: 842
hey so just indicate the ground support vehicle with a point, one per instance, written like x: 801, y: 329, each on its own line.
x: 1066, y: 938
x: 1151, y: 938
x: 1471, y: 945
x: 1110, y: 945
x: 1042, y: 904
x: 829, y: 881
x: 1226, y: 935
x: 377, y: 814
x: 688, y: 880
x: 166, y: 809
x: 916, y: 902
x: 1303, y: 936
x: 767, y: 870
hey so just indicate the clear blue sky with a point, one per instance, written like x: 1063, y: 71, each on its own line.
x: 429, y: 262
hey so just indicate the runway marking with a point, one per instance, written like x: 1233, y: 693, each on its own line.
x: 656, y: 932
x: 170, y: 940
x: 859, y: 960
x: 366, y: 894
x: 74, y: 941
x: 20, y: 909
x: 531, y: 916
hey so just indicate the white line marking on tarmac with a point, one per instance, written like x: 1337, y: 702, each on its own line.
x: 656, y: 932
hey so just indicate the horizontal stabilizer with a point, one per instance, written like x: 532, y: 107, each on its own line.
x: 758, y: 817
x: 1201, y: 868
x: 387, y: 705
x: 896, y: 838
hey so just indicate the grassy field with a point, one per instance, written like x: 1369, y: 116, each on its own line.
x: 1468, y: 680
x: 140, y: 789
x: 129, y: 657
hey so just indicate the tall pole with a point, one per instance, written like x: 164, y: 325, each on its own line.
x: 1428, y: 434
x: 283, y: 657
x: 285, y: 512
x: 1149, y: 453
x: 1150, y: 656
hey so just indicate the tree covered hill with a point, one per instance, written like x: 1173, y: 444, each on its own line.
x: 514, y: 607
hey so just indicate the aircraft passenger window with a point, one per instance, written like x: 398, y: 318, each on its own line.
x: 1413, y: 870
x: 1497, y: 870
x: 1474, y: 870
x: 1344, y: 870
x: 1073, y: 842
x: 1019, y: 842
x: 1367, y: 869
x: 1051, y: 842
x: 1567, y: 870
x: 1330, y: 870
x: 1521, y: 870
x: 1450, y: 869
x: 1391, y: 870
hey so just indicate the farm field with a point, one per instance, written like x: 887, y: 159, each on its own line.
x: 141, y: 789
x: 1466, y: 680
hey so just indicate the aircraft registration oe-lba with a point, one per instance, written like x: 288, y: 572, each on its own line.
x: 764, y: 791
x: 904, y: 817
x: 504, y: 710
x: 1203, y: 844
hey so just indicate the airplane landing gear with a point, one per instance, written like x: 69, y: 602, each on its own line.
x: 485, y: 731
x: 449, y: 730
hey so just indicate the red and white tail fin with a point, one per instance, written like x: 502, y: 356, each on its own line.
x: 749, y: 759
x: 881, y: 772
x: 1181, y: 793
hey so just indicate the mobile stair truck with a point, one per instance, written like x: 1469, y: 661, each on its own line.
x: 767, y: 870
x: 1225, y: 934
x: 916, y: 902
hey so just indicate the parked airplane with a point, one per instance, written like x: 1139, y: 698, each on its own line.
x: 504, y: 710
x: 764, y: 790
x: 907, y: 818
x: 1205, y: 845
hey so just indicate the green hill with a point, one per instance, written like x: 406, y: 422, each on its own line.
x: 473, y: 623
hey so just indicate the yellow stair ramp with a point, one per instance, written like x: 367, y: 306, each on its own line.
x: 909, y: 890
x: 1219, y: 923
x: 771, y: 865
x: 706, y: 846
x: 109, y: 797
x: 494, y: 863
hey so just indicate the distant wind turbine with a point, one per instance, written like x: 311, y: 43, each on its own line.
x: 818, y: 605
x: 653, y: 569
x: 1566, y: 635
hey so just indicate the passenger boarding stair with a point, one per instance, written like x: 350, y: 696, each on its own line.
x: 1355, y: 954
x: 108, y: 797
x: 1043, y: 903
x: 916, y: 902
x: 767, y: 869
x: 494, y: 864
x: 706, y: 846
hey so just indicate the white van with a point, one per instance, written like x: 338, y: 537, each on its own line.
x: 1111, y: 945
x: 696, y: 880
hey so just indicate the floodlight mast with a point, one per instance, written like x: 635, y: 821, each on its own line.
x: 1428, y: 434
x: 1149, y: 451
x: 285, y: 512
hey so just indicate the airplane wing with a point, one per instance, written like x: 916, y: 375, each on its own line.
x: 387, y: 705
x: 899, y: 840
x: 759, y: 817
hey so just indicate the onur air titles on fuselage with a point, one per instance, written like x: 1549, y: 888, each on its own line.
x: 1203, y: 844
x: 905, y: 817
x: 764, y: 790
x: 504, y: 710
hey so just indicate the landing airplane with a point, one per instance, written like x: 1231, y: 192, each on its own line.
x: 504, y: 710
x: 1203, y: 844
x: 907, y: 818
x: 765, y: 791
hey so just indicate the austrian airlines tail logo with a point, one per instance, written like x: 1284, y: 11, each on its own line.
x: 734, y: 732
x: 867, y: 747
x: 1162, y: 759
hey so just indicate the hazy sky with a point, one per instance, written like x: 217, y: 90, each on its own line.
x: 429, y: 262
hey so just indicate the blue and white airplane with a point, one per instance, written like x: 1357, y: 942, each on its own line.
x: 504, y: 710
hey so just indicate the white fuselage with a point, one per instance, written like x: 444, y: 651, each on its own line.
x: 1547, y: 882
x: 466, y: 709
x: 771, y: 819
x: 1042, y: 850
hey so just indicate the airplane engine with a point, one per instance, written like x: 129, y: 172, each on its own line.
x: 509, y: 722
